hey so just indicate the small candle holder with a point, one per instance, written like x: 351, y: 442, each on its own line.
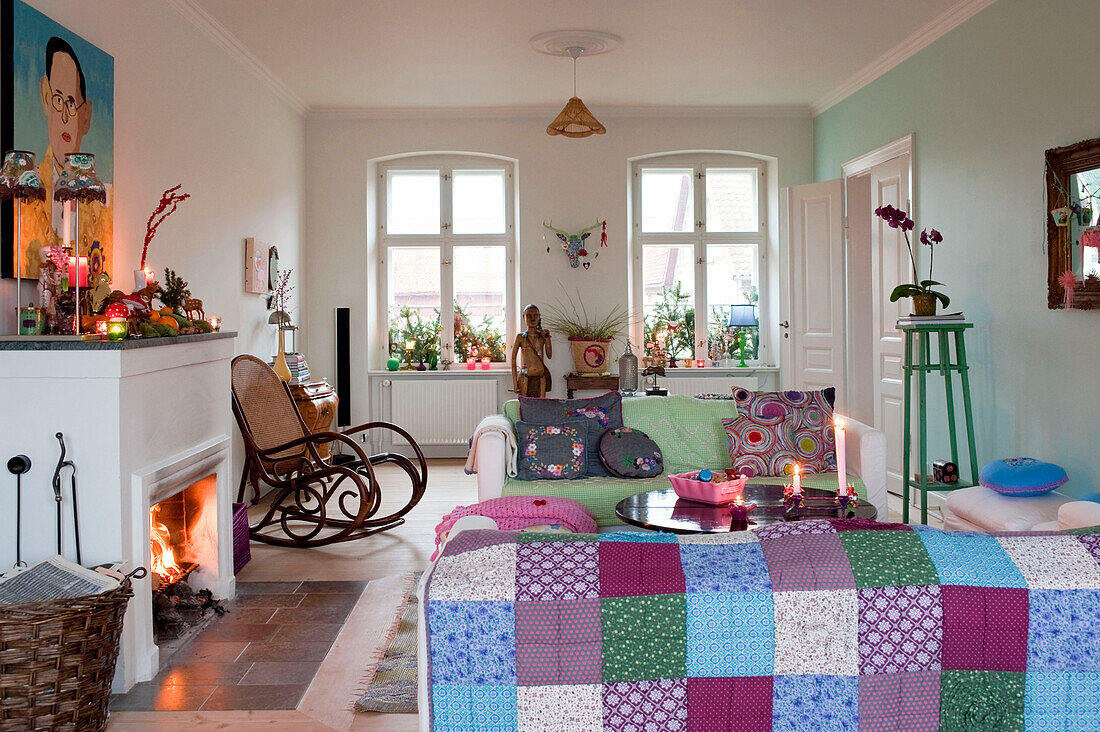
x: 215, y: 322
x: 485, y: 362
x: 118, y: 329
x: 739, y: 510
x: 794, y: 500
x: 847, y: 499
x: 471, y: 363
x: 101, y: 328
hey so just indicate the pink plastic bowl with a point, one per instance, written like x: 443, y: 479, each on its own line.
x: 703, y: 492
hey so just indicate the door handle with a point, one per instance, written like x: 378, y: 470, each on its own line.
x: 785, y: 324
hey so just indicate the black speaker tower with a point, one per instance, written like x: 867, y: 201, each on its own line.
x: 343, y: 366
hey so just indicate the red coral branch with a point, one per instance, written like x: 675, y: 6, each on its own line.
x: 169, y: 201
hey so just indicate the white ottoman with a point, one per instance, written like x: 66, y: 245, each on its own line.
x: 980, y: 509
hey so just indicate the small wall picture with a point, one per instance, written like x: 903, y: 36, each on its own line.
x: 255, y: 266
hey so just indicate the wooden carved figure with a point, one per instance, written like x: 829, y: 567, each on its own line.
x: 533, y: 379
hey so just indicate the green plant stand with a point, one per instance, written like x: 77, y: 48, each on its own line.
x: 918, y: 339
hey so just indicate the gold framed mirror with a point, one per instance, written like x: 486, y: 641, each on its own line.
x: 1073, y: 225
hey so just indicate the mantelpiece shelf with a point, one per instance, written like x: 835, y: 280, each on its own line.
x: 75, y: 343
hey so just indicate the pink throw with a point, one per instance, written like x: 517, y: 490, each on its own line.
x: 518, y: 512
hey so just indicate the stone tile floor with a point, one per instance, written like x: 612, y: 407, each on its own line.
x: 261, y: 655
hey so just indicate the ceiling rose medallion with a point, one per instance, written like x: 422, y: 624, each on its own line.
x: 575, y: 120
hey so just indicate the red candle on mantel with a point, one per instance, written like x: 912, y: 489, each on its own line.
x: 700, y: 362
x: 83, y: 281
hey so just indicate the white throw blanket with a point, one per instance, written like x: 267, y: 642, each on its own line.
x: 494, y: 423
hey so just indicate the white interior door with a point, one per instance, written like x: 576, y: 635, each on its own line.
x: 889, y: 267
x: 815, y: 286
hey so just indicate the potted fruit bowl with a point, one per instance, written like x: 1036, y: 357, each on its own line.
x: 688, y: 486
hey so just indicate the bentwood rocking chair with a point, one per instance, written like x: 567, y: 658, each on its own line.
x: 315, y: 500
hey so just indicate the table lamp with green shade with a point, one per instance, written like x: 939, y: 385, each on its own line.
x: 742, y: 316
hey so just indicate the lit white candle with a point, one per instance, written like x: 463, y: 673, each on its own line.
x: 841, y: 456
x: 66, y: 223
x: 797, y: 487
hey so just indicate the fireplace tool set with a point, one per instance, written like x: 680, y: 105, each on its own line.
x: 17, y: 466
x: 21, y: 464
x: 62, y: 464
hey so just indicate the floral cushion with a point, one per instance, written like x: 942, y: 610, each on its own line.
x: 810, y: 417
x: 552, y: 451
x: 601, y: 413
x: 761, y: 448
x: 629, y: 453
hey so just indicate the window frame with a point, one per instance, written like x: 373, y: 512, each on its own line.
x: 446, y: 240
x: 699, y: 239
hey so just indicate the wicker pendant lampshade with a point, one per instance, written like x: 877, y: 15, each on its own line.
x: 575, y: 120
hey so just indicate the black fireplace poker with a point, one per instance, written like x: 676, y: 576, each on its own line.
x: 62, y: 463
x: 18, y: 465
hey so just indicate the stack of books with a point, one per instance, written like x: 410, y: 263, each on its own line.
x: 931, y: 319
x: 299, y: 369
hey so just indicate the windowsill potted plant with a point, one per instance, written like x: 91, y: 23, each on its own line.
x: 589, y: 335
x: 924, y: 297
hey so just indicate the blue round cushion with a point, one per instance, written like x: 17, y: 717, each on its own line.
x: 1022, y: 476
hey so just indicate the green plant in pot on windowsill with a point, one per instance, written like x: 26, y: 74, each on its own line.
x: 924, y: 297
x: 589, y: 335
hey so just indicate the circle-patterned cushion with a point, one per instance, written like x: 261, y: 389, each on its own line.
x: 629, y: 453
x: 809, y: 414
x: 760, y: 449
x: 1022, y: 476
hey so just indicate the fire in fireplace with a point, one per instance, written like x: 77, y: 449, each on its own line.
x: 183, y: 553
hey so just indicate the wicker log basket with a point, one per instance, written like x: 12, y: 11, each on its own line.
x: 57, y: 660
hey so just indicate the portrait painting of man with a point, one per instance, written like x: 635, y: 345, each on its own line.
x: 58, y: 98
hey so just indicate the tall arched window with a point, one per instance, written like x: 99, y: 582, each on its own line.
x: 447, y: 253
x: 699, y: 241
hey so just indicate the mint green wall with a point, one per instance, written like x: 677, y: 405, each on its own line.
x: 984, y: 102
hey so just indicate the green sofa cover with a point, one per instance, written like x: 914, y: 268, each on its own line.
x: 691, y: 436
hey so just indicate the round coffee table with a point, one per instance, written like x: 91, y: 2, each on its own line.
x: 663, y: 510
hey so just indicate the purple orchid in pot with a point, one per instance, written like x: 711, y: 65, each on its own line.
x: 924, y: 297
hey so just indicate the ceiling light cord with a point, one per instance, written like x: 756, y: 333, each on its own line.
x: 574, y: 53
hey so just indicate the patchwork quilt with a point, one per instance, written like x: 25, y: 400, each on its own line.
x: 811, y: 625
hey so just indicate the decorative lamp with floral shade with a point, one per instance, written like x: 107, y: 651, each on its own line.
x: 19, y: 180
x: 77, y: 183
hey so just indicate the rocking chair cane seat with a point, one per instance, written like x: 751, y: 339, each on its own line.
x: 314, y: 502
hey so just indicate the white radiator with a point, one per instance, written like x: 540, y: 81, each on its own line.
x: 692, y: 385
x: 440, y: 411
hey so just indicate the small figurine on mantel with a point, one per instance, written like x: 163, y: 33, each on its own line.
x: 533, y: 378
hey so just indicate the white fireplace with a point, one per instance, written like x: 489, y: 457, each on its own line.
x: 143, y: 420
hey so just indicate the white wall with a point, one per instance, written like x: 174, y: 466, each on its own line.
x: 185, y: 112
x: 570, y: 181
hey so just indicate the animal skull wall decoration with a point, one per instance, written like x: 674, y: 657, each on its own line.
x: 574, y: 244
